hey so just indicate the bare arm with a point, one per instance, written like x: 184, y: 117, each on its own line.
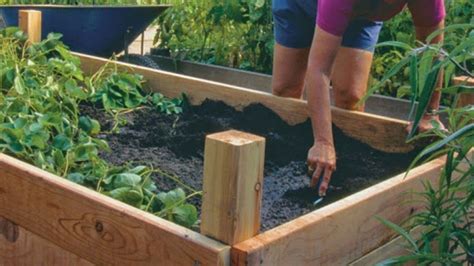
x: 322, y: 156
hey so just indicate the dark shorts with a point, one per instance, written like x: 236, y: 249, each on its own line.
x: 295, y: 22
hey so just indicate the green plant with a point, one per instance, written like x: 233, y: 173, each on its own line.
x: 446, y: 220
x: 400, y: 28
x: 232, y: 33
x: 42, y: 87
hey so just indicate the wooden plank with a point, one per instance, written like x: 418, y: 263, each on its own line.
x: 233, y: 76
x: 382, y: 133
x: 466, y: 98
x: 232, y: 186
x: 95, y: 227
x: 394, y: 248
x: 341, y: 232
x: 27, y: 248
x: 375, y: 104
x: 29, y: 21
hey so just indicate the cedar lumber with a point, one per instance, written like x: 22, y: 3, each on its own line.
x: 29, y: 21
x: 27, y: 248
x: 465, y: 99
x: 382, y: 133
x: 232, y: 186
x: 346, y: 230
x: 394, y: 248
x: 94, y: 227
x: 340, y: 232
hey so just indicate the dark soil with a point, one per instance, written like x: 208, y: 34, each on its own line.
x: 175, y: 144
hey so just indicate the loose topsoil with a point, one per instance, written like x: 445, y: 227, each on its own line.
x: 175, y: 144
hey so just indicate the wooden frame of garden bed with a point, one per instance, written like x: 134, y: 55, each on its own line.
x: 53, y: 220
x: 46, y: 218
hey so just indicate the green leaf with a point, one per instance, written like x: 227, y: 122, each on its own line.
x: 402, y: 232
x: 20, y: 123
x: 127, y: 195
x: 38, y: 140
x: 139, y: 170
x: 467, y: 130
x: 424, y: 68
x: 397, y: 44
x: 185, y: 215
x: 449, y: 28
x: 62, y: 142
x: 19, y: 85
x: 75, y: 91
x: 171, y: 198
x: 458, y: 89
x: 59, y: 159
x: 259, y: 3
x: 413, y: 83
x: 392, y: 72
x: 84, y: 152
x: 95, y: 127
x: 127, y: 180
x: 15, y: 147
x: 77, y: 178
x: 425, y: 97
x: 402, y: 260
x: 90, y: 126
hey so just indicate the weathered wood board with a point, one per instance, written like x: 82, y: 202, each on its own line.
x: 19, y: 247
x: 96, y: 227
x: 77, y: 223
x: 346, y: 230
x: 380, y: 132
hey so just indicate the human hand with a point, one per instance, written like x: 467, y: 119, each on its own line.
x: 321, y: 162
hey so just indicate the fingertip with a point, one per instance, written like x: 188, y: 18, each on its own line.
x: 322, y: 191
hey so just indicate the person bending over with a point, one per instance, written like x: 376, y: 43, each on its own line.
x: 318, y: 41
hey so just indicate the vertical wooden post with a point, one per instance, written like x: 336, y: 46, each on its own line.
x: 30, y: 23
x: 233, y: 178
x: 466, y: 98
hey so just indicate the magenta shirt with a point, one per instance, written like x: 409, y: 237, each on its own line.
x: 334, y: 16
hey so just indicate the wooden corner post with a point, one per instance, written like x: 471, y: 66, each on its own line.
x: 466, y: 98
x: 29, y: 21
x: 233, y: 178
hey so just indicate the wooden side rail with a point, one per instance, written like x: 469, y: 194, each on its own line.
x: 466, y: 98
x: 341, y: 232
x: 95, y: 227
x: 382, y: 133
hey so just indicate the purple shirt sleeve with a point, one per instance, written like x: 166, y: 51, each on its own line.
x: 427, y: 13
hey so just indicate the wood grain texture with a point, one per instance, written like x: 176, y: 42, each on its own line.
x: 394, y: 248
x: 30, y: 249
x: 341, y: 232
x: 95, y: 227
x: 232, y: 186
x: 29, y: 21
x: 466, y: 98
x: 382, y: 133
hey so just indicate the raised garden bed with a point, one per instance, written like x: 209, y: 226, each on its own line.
x: 175, y: 144
x: 78, y: 226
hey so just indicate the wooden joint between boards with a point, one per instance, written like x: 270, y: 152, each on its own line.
x: 9, y: 230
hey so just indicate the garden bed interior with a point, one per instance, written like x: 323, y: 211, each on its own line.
x: 79, y: 223
x: 175, y: 144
